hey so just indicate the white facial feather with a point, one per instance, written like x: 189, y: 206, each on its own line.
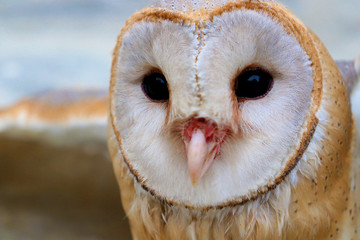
x: 269, y: 128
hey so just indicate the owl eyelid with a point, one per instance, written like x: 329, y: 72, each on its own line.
x: 152, y: 71
x: 253, y: 67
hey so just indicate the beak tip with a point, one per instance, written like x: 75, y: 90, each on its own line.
x: 194, y: 180
x: 194, y: 183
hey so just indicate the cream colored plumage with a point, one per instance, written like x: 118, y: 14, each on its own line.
x: 288, y: 168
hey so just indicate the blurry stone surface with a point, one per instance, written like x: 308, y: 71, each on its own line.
x: 58, y: 192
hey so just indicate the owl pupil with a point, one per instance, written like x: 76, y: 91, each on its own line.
x: 253, y: 84
x: 155, y: 87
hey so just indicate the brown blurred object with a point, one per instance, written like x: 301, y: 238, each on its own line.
x: 56, y: 179
x: 70, y: 195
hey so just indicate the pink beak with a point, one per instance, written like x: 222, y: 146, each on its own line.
x: 202, y: 140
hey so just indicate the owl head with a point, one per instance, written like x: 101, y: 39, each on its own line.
x: 214, y: 103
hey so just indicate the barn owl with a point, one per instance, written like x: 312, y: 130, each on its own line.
x: 227, y: 120
x: 230, y: 120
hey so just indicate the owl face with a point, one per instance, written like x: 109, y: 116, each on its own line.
x: 212, y: 108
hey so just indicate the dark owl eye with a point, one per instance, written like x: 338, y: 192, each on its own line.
x: 253, y: 84
x: 155, y: 87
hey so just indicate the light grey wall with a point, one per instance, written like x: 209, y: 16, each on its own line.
x: 68, y: 43
x: 336, y: 22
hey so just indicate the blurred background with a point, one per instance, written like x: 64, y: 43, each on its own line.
x: 54, y: 44
x: 67, y: 43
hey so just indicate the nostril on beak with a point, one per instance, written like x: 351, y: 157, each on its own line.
x: 202, y: 120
